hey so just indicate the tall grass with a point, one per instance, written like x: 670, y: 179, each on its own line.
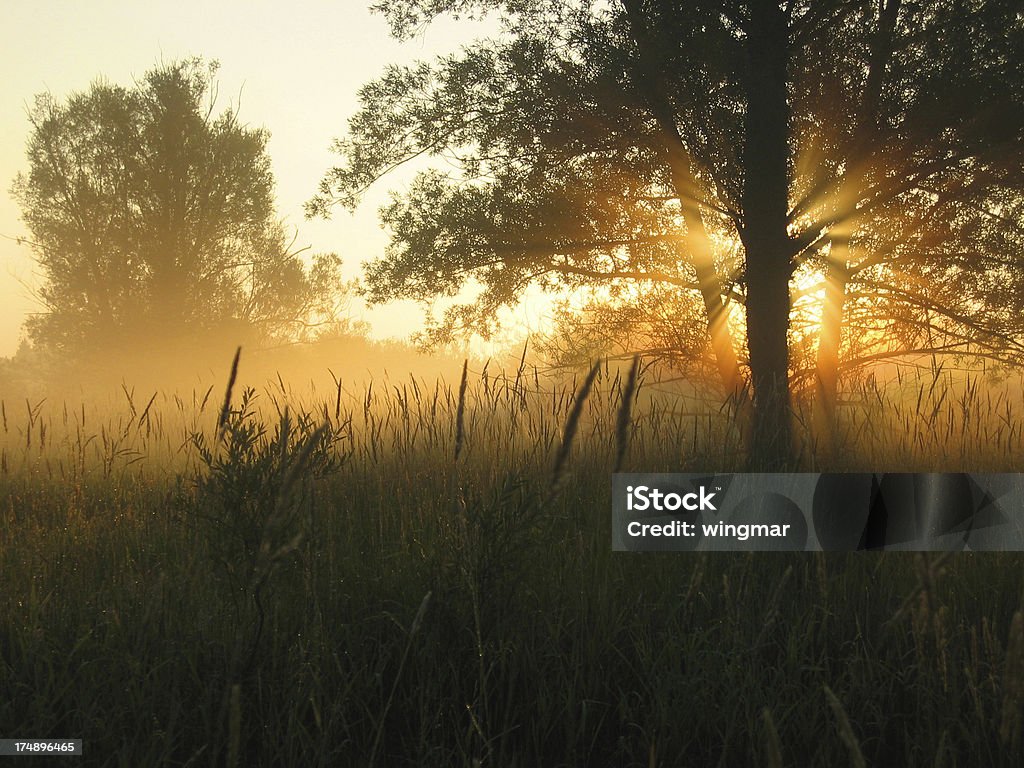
x: 419, y: 573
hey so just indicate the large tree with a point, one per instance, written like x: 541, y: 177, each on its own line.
x: 716, y: 147
x: 152, y: 219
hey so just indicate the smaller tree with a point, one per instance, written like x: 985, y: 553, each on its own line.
x: 152, y: 219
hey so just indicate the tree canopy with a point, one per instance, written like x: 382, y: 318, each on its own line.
x: 731, y: 151
x: 152, y: 218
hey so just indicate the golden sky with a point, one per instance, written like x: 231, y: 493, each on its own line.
x: 294, y: 68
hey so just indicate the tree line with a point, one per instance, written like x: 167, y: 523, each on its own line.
x: 786, y: 190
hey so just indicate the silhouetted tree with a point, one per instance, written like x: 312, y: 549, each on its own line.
x: 643, y: 139
x: 152, y: 219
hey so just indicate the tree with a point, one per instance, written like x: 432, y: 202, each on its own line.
x: 649, y: 140
x: 152, y: 219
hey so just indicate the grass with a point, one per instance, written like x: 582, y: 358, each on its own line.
x: 419, y: 573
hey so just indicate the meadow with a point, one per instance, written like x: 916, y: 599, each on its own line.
x: 407, y: 571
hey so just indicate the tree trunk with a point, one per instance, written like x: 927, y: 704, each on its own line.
x: 765, y: 237
x: 837, y: 273
x: 768, y: 275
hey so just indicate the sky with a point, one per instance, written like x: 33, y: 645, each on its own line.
x: 292, y: 68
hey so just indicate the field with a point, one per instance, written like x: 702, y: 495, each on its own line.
x: 415, y: 572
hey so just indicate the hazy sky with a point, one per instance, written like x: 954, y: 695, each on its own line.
x: 294, y: 68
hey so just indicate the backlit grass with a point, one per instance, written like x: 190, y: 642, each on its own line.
x: 320, y: 581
